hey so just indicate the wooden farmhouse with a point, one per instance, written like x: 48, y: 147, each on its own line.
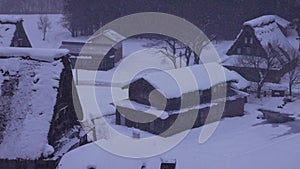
x: 12, y: 33
x: 263, y: 37
x: 186, y: 96
x: 98, y: 53
x: 38, y: 123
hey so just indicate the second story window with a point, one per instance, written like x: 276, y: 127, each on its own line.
x: 251, y: 40
x: 246, y: 40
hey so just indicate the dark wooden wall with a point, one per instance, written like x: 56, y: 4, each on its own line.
x: 167, y: 127
x: 20, y: 38
x: 65, y: 116
x: 245, y: 46
x: 139, y: 91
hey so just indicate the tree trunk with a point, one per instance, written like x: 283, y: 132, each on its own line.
x: 44, y: 36
x: 197, y: 60
x: 187, y: 61
x: 290, y: 89
x: 258, y: 91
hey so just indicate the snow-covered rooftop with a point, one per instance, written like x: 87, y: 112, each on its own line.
x: 242, y: 82
x: 47, y: 55
x: 6, y: 34
x: 267, y: 19
x: 27, y: 103
x: 272, y: 35
x: 173, y: 83
x: 106, y: 37
x: 10, y: 19
x: 267, y: 31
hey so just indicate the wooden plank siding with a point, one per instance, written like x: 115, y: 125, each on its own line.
x: 167, y: 127
x: 143, y: 92
x: 247, y: 44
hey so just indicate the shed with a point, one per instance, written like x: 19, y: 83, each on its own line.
x: 97, y: 53
x: 159, y: 98
x: 277, y: 90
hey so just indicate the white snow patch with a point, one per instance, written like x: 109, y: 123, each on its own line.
x: 48, y: 150
x: 242, y: 82
x: 11, y: 18
x: 48, y: 55
x: 267, y: 19
x: 6, y: 34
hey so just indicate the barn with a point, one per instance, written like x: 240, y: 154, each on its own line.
x: 97, y: 53
x: 12, y: 33
x: 261, y: 38
x: 187, y: 95
x: 38, y: 123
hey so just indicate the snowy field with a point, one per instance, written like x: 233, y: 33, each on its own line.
x: 241, y: 142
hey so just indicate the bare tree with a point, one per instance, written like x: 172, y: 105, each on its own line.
x: 294, y: 74
x: 261, y: 65
x: 44, y: 24
x: 172, y: 48
x: 179, y: 49
x: 294, y: 79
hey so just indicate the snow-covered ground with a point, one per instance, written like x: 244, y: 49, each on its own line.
x: 54, y: 36
x: 240, y: 142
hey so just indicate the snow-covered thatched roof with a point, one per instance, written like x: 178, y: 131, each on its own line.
x: 6, y: 34
x: 10, y: 19
x: 175, y: 82
x: 7, y: 30
x: 29, y: 90
x: 267, y: 19
x: 271, y: 37
x: 46, y: 55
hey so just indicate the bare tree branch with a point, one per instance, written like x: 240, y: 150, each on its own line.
x: 44, y: 25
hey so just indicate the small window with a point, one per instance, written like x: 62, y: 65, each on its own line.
x: 144, y: 95
x: 238, y: 50
x: 246, y: 40
x: 251, y: 40
x: 247, y: 50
